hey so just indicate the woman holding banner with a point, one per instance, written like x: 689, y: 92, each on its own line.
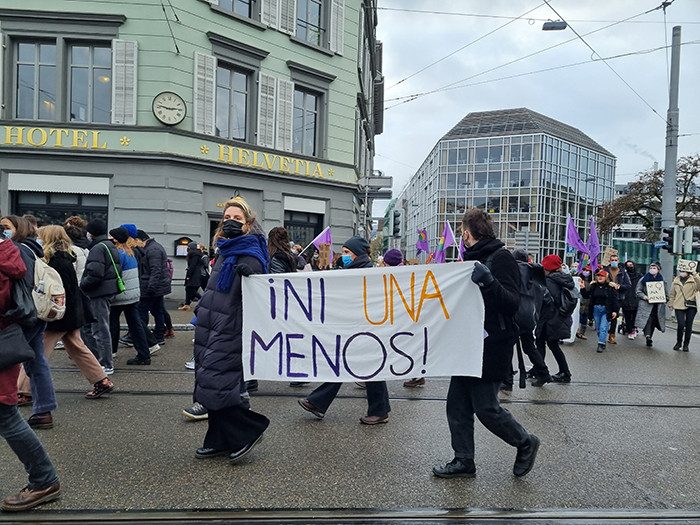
x: 651, y: 313
x: 233, y: 430
x: 355, y: 255
x: 682, y: 299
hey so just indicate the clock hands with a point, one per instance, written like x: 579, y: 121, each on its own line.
x: 168, y: 108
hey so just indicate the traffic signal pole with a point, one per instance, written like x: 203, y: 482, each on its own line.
x: 668, y: 204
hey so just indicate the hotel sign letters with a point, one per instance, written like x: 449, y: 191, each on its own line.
x: 55, y: 137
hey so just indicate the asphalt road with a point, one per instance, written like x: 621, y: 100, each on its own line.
x: 622, y: 439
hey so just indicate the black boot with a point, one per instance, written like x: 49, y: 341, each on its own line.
x: 601, y: 347
x: 678, y: 344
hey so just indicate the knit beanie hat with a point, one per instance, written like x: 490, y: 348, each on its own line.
x: 119, y: 234
x: 96, y: 227
x: 357, y: 245
x: 130, y: 229
x: 551, y: 263
x: 142, y: 235
x: 393, y: 257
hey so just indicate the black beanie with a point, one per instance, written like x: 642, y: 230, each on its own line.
x: 96, y: 227
x: 357, y: 245
x: 142, y: 235
x: 120, y: 234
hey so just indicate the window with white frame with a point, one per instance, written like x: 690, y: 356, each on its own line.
x: 58, y: 80
x: 305, y: 122
x: 90, y: 83
x: 231, y: 103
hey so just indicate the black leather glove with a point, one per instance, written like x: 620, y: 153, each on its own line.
x: 243, y: 269
x: 482, y: 275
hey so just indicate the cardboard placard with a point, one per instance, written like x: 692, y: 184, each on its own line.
x: 609, y: 252
x: 324, y: 255
x: 656, y: 292
x: 685, y: 265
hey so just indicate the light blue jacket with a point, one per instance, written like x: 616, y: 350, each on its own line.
x: 130, y: 276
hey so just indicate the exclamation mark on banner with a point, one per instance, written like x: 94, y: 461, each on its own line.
x: 425, y: 349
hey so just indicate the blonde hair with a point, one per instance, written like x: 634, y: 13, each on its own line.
x: 128, y: 246
x: 55, y: 239
x: 248, y: 213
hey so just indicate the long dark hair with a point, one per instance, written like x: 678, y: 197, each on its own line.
x: 278, y: 242
x: 23, y: 228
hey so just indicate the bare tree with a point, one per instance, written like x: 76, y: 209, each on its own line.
x: 643, y: 199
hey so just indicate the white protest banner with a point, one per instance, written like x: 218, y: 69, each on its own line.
x: 656, y: 292
x: 685, y: 265
x: 366, y: 324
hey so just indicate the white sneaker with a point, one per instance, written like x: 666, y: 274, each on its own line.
x: 108, y: 371
x: 59, y: 345
x: 630, y: 335
x: 189, y: 365
x: 154, y: 348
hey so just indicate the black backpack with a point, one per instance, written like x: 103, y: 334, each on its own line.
x: 569, y: 298
x: 532, y: 290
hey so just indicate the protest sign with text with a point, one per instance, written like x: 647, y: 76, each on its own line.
x: 366, y: 324
x: 685, y: 265
x: 656, y: 292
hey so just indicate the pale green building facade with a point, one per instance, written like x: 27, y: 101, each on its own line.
x: 157, y: 113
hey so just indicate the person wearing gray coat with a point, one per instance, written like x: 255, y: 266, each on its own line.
x: 650, y: 316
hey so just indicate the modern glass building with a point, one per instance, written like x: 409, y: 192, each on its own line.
x: 528, y: 170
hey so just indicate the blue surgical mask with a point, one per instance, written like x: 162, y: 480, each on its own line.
x: 613, y: 265
x: 8, y: 234
x: 347, y: 259
x: 40, y: 242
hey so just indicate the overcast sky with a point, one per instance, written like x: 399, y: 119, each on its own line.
x: 588, y: 96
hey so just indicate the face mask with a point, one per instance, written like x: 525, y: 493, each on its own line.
x: 585, y: 274
x: 613, y: 265
x: 653, y: 271
x: 8, y: 234
x: 40, y: 242
x: 683, y: 274
x: 347, y: 259
x: 232, y: 229
x: 630, y: 268
x: 315, y: 256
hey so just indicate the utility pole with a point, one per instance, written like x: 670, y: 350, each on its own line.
x: 668, y: 204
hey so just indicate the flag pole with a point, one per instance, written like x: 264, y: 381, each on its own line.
x: 307, y: 246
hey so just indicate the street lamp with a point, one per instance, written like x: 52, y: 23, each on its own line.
x: 556, y: 25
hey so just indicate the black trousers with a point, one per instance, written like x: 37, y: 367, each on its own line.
x: 539, y: 367
x: 557, y: 352
x: 630, y: 316
x: 136, y: 329
x: 377, y: 397
x: 685, y: 320
x: 191, y: 294
x: 233, y: 428
x: 469, y: 396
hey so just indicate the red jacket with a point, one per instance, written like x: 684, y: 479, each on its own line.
x: 11, y: 269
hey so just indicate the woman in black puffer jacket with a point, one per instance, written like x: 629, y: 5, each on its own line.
x: 281, y: 258
x: 218, y: 345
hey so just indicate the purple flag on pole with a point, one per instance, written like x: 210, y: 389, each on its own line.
x: 422, y: 242
x: 447, y: 239
x: 572, y: 237
x: 324, y: 238
x: 461, y: 248
x: 593, y: 246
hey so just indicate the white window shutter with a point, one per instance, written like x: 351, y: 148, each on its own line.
x: 285, y: 114
x: 270, y: 13
x: 337, y: 35
x: 124, y: 65
x: 204, y: 115
x: 267, y: 95
x: 288, y: 16
x: 361, y: 33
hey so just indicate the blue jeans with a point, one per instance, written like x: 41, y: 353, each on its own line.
x: 38, y: 370
x: 24, y: 443
x: 600, y: 316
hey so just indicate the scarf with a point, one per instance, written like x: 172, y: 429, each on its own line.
x: 231, y: 249
x: 648, y: 277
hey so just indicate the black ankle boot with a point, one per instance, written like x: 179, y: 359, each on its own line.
x: 678, y: 346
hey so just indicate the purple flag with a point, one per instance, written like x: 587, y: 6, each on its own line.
x: 422, y: 242
x: 324, y: 238
x: 572, y: 237
x: 593, y: 246
x: 461, y: 248
x: 447, y: 239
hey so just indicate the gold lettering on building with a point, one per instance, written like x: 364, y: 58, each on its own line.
x: 42, y: 134
x: 39, y: 137
x: 9, y: 135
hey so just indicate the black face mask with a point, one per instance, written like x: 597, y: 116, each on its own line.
x: 630, y: 268
x: 232, y: 229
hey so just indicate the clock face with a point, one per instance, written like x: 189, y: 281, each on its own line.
x: 169, y: 108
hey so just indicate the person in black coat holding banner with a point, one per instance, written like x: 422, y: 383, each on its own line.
x: 496, y: 272
x: 218, y: 345
x: 355, y: 255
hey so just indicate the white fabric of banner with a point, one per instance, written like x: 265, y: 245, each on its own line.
x: 367, y: 324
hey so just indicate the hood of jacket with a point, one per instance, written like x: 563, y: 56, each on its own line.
x: 34, y: 246
x: 564, y: 280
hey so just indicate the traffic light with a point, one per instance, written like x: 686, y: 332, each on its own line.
x: 673, y: 239
x: 397, y: 224
x: 690, y: 236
